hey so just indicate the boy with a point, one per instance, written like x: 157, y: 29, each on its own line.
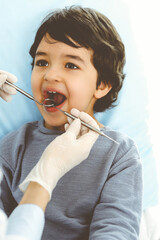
x: 78, y: 60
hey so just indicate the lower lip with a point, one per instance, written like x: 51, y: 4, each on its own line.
x: 52, y: 109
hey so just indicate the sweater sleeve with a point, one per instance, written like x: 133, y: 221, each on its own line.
x: 7, y: 201
x: 11, y: 154
x: 117, y: 214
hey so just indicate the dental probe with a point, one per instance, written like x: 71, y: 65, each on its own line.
x: 66, y: 113
x: 84, y: 123
x: 87, y: 125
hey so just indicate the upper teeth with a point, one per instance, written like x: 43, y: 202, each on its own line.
x: 51, y: 92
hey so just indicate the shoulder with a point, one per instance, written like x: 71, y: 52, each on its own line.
x: 122, y: 158
x: 125, y: 145
x: 11, y: 137
x: 14, y: 142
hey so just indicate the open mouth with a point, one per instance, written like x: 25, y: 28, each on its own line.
x: 53, y: 97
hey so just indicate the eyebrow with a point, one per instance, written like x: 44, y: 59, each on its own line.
x: 75, y: 57
x: 39, y: 53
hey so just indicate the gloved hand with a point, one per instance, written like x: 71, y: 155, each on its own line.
x: 5, y: 90
x: 63, y: 153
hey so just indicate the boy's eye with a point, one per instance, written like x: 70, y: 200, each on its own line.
x: 41, y: 63
x: 71, y: 66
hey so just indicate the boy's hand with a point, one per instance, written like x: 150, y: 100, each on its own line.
x: 5, y: 90
x: 63, y: 153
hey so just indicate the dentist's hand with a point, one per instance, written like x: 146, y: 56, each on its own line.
x: 5, y: 90
x: 63, y: 153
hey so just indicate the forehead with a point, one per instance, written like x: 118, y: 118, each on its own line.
x: 50, y: 45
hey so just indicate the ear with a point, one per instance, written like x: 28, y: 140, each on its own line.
x: 102, y: 90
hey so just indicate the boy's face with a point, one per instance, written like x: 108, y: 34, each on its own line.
x: 65, y: 74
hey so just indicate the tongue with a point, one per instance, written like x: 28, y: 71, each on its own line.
x: 56, y: 98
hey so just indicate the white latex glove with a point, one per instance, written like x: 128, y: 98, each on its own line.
x: 63, y: 153
x: 5, y: 90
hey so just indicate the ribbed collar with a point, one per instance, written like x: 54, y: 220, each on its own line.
x: 45, y: 130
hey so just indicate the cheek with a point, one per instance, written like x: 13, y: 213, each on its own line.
x: 76, y: 90
x: 32, y: 79
x: 80, y: 95
x: 35, y: 83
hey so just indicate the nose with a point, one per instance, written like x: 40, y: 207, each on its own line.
x: 53, y: 73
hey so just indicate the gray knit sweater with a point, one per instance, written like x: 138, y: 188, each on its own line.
x: 99, y: 199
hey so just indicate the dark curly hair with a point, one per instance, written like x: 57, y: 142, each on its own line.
x: 89, y: 29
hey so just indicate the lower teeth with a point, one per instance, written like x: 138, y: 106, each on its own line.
x: 49, y: 102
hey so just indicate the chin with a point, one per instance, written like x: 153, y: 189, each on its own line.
x: 53, y: 124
